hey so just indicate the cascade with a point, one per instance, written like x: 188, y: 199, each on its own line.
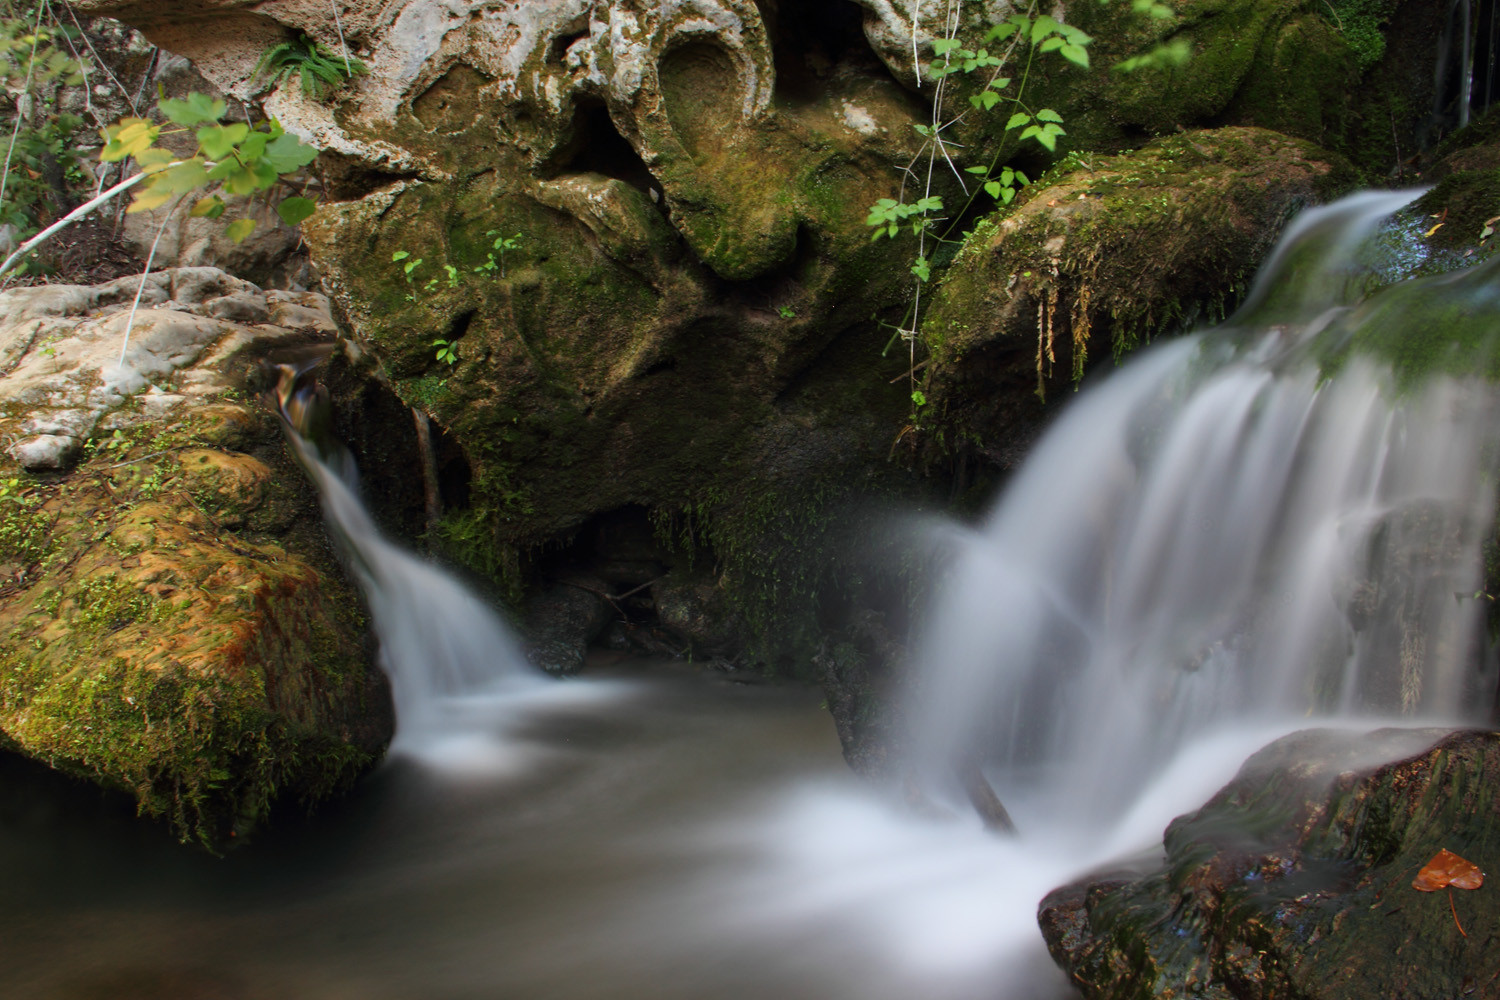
x: 445, y: 650
x: 1223, y: 537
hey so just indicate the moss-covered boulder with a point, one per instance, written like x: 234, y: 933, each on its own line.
x: 1296, y: 881
x: 172, y: 622
x: 1100, y: 255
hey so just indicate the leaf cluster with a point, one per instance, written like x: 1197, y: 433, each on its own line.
x: 314, y: 64
x: 232, y: 159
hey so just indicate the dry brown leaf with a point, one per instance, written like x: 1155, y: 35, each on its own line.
x: 1448, y: 869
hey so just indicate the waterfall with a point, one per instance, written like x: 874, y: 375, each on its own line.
x: 447, y: 654
x: 1220, y: 537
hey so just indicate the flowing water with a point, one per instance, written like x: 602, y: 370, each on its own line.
x: 1217, y: 545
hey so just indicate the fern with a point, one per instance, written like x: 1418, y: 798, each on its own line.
x: 312, y: 62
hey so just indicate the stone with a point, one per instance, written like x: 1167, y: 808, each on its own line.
x: 1102, y: 254
x: 1295, y: 880
x: 172, y: 623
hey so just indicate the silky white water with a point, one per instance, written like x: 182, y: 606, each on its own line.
x: 1217, y: 545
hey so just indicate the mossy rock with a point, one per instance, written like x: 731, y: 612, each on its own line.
x: 173, y: 623
x: 1099, y: 256
x: 1295, y: 880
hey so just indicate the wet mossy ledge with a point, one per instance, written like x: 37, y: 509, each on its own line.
x: 173, y: 623
x: 1101, y: 255
x: 1295, y: 880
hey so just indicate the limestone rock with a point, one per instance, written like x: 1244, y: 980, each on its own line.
x: 1295, y: 881
x: 172, y: 623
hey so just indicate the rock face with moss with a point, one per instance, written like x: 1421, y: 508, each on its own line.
x: 634, y: 274
x: 1101, y: 255
x: 1296, y: 881
x: 172, y: 623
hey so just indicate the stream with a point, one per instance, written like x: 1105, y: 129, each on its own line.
x: 1217, y: 546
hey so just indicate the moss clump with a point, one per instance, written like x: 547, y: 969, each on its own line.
x: 1362, y: 25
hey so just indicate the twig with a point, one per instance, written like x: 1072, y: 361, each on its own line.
x: 912, y: 373
x: 99, y: 60
x: 143, y: 458
x: 141, y: 288
x: 349, y: 70
x: 68, y: 220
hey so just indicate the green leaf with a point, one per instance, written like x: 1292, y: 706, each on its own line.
x: 295, y: 209
x: 154, y: 159
x: 1007, y: 195
x: 287, y: 154
x: 1048, y: 115
x: 400, y: 255
x: 993, y: 189
x: 1017, y: 120
x: 130, y: 137
x: 1051, y: 45
x: 196, y: 109
x: 976, y: 170
x: 145, y: 201
x: 1043, y: 27
x: 1001, y: 32
x: 944, y: 45
x: 1076, y: 54
x: 240, y: 229
x: 208, y: 208
x: 180, y: 178
x: 217, y: 140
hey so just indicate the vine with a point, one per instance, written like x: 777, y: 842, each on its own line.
x: 1027, y: 33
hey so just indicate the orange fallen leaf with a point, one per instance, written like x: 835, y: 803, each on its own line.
x: 1448, y: 869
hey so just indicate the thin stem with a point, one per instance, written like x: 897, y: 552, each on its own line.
x: 99, y: 61
x: 141, y: 288
x: 36, y: 37
x: 68, y: 220
x: 339, y: 24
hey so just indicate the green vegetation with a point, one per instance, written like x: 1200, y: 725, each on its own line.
x: 41, y: 164
x: 313, y: 63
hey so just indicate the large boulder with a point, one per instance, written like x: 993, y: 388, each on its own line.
x: 172, y: 622
x: 1296, y: 881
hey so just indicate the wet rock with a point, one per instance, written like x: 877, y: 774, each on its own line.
x: 694, y: 608
x: 1295, y: 880
x: 563, y: 619
x: 1103, y: 254
x: 172, y: 622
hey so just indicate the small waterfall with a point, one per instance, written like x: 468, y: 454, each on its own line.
x: 447, y: 653
x: 1220, y: 536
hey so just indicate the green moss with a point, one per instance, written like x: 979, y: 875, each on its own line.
x: 1362, y: 24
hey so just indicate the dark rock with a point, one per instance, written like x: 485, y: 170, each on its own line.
x: 1295, y: 881
x: 563, y: 619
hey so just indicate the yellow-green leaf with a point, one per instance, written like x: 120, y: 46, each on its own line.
x: 147, y: 200
x: 129, y: 137
x: 208, y: 208
x: 240, y: 229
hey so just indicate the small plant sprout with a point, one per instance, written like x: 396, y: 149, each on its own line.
x: 447, y: 350
x: 501, y: 245
x: 407, y: 269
